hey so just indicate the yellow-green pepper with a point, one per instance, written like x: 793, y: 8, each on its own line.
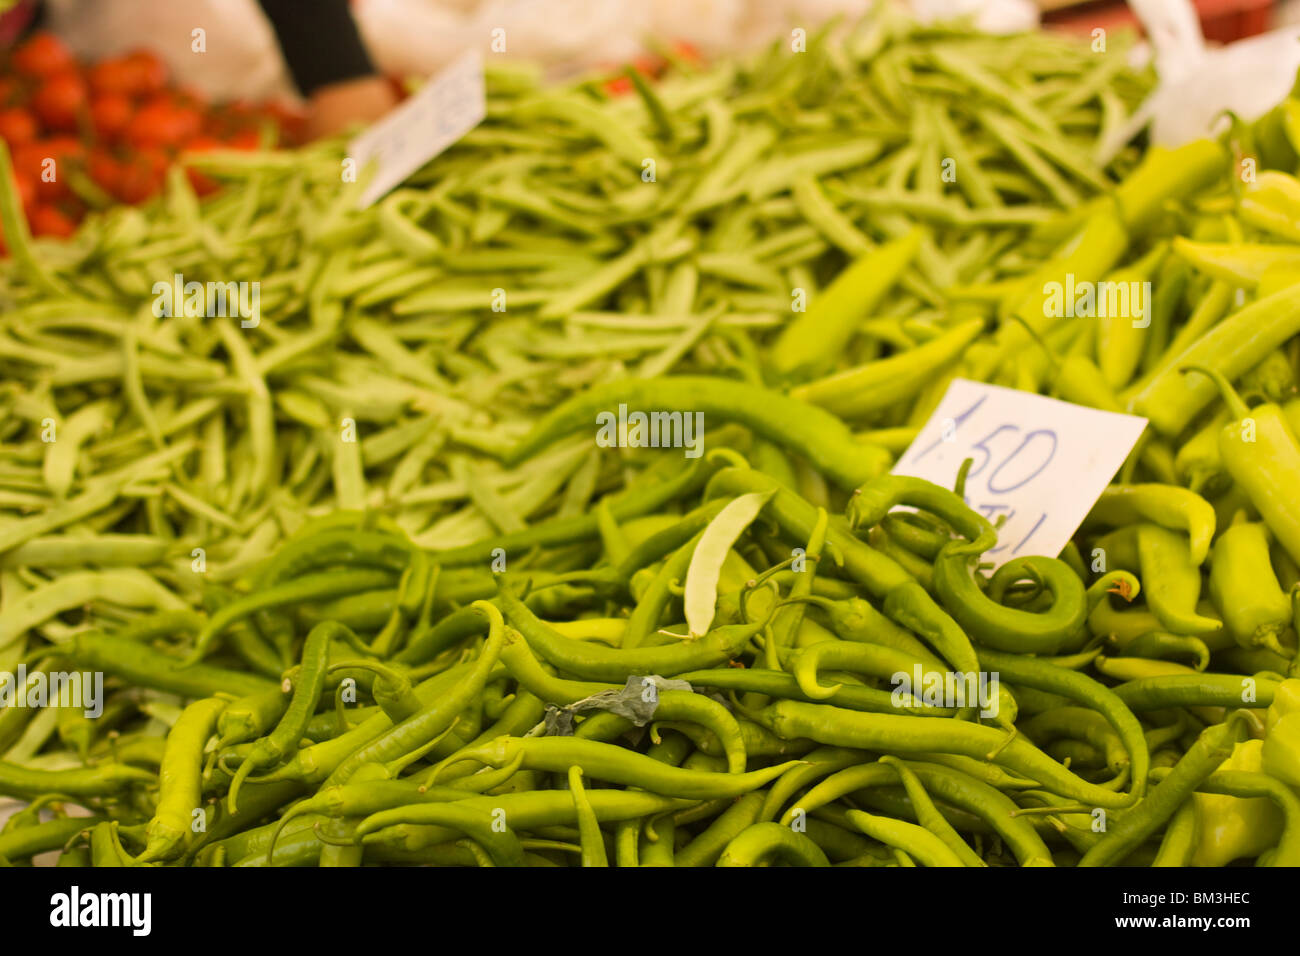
x: 1286, y: 700
x: 1233, y: 828
x: 1281, y: 750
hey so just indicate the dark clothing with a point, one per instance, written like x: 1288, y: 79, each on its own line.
x: 320, y: 41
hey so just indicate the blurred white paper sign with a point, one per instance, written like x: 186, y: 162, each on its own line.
x: 445, y: 109
x: 1039, y: 462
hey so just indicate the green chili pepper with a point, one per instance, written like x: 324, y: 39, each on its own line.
x: 1259, y: 451
x: 1010, y: 629
x: 180, y: 788
x: 431, y: 721
x: 1240, y: 263
x: 1195, y: 690
x: 872, y: 501
x: 1212, y: 747
x: 911, y: 735
x: 877, y: 385
x: 1173, y: 581
x: 141, y: 666
x: 330, y: 583
x: 1244, y: 587
x: 771, y: 841
x: 306, y: 690
x: 557, y: 754
x: 1229, y: 348
x: 595, y: 662
x: 820, y: 437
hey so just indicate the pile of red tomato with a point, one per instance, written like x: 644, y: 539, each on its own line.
x: 111, y: 129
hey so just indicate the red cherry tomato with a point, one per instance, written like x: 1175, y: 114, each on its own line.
x: 617, y: 86
x: 187, y: 121
x: 142, y: 176
x: 49, y: 221
x: 247, y: 138
x: 148, y: 73
x: 39, y: 165
x: 110, y: 113
x: 150, y: 126
x: 162, y: 123
x: 28, y: 158
x: 135, y: 184
x: 59, y: 100
x: 43, y: 55
x: 53, y: 187
x: 156, y: 159
x: 105, y: 170
x: 137, y: 74
x: 113, y: 75
x: 66, y: 147
x: 48, y: 163
x: 17, y: 126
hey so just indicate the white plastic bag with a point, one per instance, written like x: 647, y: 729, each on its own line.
x: 1197, y: 83
x: 422, y: 36
x: 241, y: 59
x: 570, y: 36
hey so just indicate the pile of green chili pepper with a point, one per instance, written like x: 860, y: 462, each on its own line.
x: 711, y: 683
x: 364, y: 590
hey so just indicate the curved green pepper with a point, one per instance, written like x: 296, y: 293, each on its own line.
x: 1244, y: 587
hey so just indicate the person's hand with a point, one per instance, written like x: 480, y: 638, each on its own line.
x: 333, y: 108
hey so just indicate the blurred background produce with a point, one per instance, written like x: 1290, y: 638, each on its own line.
x: 112, y: 130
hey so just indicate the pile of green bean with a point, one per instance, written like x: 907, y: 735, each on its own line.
x: 364, y: 590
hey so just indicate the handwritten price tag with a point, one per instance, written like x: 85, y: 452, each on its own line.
x: 444, y: 110
x: 1039, y: 462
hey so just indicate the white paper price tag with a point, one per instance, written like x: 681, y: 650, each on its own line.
x: 444, y: 110
x: 1040, y: 462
